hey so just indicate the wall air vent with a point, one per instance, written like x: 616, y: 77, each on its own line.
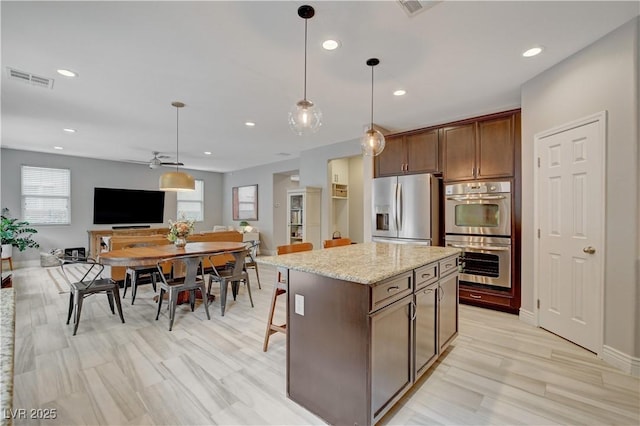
x: 26, y: 77
x: 413, y: 7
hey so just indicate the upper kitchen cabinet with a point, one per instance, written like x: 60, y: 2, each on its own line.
x: 481, y: 149
x: 415, y: 152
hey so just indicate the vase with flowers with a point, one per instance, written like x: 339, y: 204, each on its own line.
x: 179, y: 231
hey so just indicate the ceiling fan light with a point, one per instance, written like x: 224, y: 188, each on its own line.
x: 305, y: 118
x: 372, y: 143
x: 177, y: 181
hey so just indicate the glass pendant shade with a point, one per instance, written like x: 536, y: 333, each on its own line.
x: 372, y: 142
x: 305, y: 118
x: 177, y: 181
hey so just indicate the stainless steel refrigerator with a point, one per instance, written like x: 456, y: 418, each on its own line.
x: 406, y: 209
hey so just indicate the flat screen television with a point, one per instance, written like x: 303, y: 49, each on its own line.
x: 113, y: 206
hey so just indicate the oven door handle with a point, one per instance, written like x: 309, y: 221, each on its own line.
x: 482, y: 197
x: 479, y: 247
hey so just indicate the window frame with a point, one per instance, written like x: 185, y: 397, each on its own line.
x: 200, y: 201
x: 24, y: 196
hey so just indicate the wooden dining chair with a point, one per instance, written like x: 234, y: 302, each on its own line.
x: 280, y: 288
x: 336, y: 242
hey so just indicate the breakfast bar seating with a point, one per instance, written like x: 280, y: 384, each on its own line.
x: 279, y: 289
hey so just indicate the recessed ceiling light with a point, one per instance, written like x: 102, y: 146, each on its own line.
x: 207, y: 153
x: 69, y: 130
x: 249, y: 124
x: 67, y: 73
x: 58, y: 148
x: 400, y: 92
x: 330, y: 44
x: 532, y: 52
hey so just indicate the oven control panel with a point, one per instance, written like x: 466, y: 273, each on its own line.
x: 477, y: 188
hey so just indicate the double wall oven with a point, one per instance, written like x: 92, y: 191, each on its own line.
x: 478, y: 221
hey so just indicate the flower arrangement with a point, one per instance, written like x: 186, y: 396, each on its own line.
x: 180, y: 229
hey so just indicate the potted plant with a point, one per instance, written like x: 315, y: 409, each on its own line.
x: 16, y: 233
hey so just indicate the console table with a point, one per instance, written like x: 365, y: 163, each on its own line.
x: 96, y: 236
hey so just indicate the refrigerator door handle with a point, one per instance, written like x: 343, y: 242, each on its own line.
x: 395, y: 206
x: 399, y: 202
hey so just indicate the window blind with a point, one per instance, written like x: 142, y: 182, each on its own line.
x: 46, y: 195
x: 191, y: 203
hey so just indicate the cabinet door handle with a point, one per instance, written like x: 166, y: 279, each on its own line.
x: 394, y: 288
x: 473, y: 296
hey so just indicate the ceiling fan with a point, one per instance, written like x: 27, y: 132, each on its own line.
x: 156, y: 161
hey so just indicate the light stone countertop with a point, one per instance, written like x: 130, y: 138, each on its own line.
x: 366, y: 263
x: 7, y: 342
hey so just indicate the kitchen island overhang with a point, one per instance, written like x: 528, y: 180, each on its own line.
x: 364, y: 322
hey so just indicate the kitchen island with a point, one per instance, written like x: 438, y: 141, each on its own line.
x: 364, y: 322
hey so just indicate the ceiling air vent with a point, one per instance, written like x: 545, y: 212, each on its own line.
x: 26, y: 77
x: 413, y: 7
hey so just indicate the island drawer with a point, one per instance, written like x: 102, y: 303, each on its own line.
x: 448, y: 266
x: 391, y: 290
x: 426, y: 275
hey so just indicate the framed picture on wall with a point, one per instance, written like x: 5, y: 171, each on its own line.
x: 245, y: 202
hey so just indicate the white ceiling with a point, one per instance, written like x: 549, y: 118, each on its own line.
x: 232, y: 62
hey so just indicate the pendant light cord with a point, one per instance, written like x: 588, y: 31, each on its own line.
x: 371, y: 98
x: 305, y: 59
x: 177, y: 133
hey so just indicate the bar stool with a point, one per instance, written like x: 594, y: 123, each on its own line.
x: 336, y: 242
x: 279, y: 289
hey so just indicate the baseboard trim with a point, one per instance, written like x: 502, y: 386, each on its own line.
x: 627, y: 363
x: 527, y: 317
x: 25, y: 264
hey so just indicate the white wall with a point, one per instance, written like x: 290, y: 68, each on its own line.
x: 312, y: 166
x: 313, y: 172
x: 603, y: 76
x: 356, y: 198
x: 85, y: 175
x: 263, y: 176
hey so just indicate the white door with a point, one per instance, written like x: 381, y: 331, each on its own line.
x: 570, y: 214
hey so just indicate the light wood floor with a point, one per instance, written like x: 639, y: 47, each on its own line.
x: 498, y: 371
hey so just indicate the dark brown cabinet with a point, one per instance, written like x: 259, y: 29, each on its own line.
x: 354, y: 350
x: 482, y: 149
x: 425, y: 328
x: 416, y: 152
x: 390, y: 353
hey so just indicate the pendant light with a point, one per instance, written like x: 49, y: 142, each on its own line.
x: 304, y: 117
x: 373, y: 141
x: 177, y: 181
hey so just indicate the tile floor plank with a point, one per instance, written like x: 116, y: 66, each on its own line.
x: 499, y: 371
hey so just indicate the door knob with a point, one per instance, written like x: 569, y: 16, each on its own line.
x: 589, y: 250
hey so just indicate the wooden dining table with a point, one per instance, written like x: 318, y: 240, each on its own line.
x: 150, y: 255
